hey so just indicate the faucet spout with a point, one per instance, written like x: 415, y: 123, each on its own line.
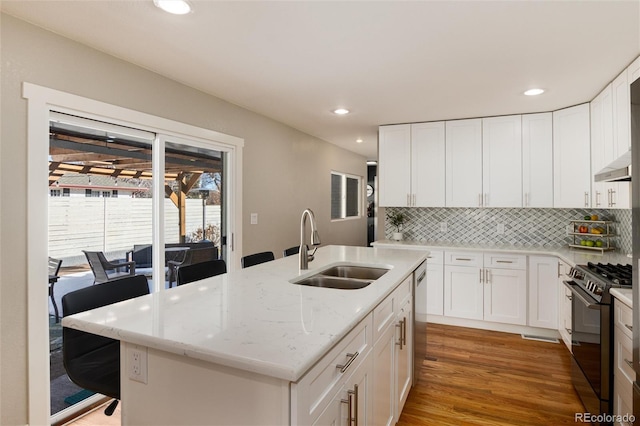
x: 305, y: 257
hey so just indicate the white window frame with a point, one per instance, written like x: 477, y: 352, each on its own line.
x: 361, y: 193
x: 40, y: 102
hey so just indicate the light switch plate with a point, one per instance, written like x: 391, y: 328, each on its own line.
x: 254, y: 218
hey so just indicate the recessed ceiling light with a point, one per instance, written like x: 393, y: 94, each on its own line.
x: 177, y: 7
x: 341, y: 111
x: 534, y: 92
x: 359, y: 140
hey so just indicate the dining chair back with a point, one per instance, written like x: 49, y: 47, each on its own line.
x: 93, y: 362
x: 54, y: 266
x: 191, y: 256
x: 257, y: 258
x: 200, y: 271
x: 291, y: 251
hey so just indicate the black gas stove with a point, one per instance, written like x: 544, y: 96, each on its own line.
x: 597, y: 278
x: 592, y: 331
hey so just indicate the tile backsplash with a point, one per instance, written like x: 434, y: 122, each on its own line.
x: 522, y: 227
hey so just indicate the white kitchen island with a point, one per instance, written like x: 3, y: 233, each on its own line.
x: 234, y: 349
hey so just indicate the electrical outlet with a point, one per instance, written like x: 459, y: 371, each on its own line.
x: 254, y: 218
x: 443, y: 226
x: 500, y: 228
x: 137, y: 357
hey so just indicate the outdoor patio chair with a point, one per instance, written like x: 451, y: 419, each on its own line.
x: 255, y: 259
x: 54, y: 270
x: 93, y: 362
x: 199, y: 271
x: 104, y: 270
x: 191, y: 256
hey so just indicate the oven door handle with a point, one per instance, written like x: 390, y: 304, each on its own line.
x: 578, y: 293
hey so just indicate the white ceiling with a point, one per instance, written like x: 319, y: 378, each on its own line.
x: 388, y: 62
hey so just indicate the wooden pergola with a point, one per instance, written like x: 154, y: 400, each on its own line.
x: 74, y: 152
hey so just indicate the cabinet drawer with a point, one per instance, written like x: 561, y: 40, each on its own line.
x: 463, y: 258
x: 623, y: 396
x: 435, y: 257
x: 505, y: 261
x: 402, y: 292
x: 623, y: 317
x: 623, y: 352
x: 314, y: 391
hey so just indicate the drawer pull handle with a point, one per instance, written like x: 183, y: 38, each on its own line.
x: 344, y: 367
x: 629, y: 363
x: 504, y: 261
x: 463, y: 258
x: 630, y: 327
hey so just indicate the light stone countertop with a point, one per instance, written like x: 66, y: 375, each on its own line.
x: 571, y: 256
x: 254, y: 319
x: 625, y: 295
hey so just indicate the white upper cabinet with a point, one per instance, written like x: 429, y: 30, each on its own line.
x: 427, y: 164
x: 502, y: 161
x: 537, y: 160
x: 394, y: 153
x: 621, y: 115
x: 602, y: 149
x: 411, y: 165
x: 463, y: 164
x: 571, y: 157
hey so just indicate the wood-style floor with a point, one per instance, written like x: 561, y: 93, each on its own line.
x: 477, y: 377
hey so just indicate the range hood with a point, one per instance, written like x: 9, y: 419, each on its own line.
x: 618, y: 171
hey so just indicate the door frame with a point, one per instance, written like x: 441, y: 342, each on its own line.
x: 40, y: 102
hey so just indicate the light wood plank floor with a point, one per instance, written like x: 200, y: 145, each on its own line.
x: 476, y: 377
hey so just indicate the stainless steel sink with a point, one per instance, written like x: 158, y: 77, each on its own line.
x: 334, y: 282
x: 357, y: 272
x: 344, y: 277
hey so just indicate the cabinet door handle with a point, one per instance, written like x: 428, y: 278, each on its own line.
x: 413, y: 200
x: 586, y: 199
x: 399, y: 342
x: 569, y: 331
x: 597, y: 198
x: 344, y: 367
x: 630, y: 327
x: 480, y: 271
x: 613, y: 200
x: 408, y: 203
x: 629, y: 363
x: 352, y: 406
x: 404, y: 331
x: 487, y: 276
x: 559, y: 273
x: 479, y: 200
x: 486, y: 199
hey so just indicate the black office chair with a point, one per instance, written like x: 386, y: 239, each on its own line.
x: 93, y: 362
x: 255, y: 259
x: 200, y: 271
x: 291, y: 251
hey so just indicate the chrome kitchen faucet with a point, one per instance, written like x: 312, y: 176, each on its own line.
x: 305, y: 257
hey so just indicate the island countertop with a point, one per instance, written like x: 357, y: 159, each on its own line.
x: 254, y: 319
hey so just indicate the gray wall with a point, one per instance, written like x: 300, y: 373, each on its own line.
x: 285, y: 170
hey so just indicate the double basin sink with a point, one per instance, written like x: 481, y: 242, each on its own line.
x: 344, y: 277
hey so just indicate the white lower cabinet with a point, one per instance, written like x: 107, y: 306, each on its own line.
x: 544, y: 272
x: 564, y: 305
x: 623, y: 373
x: 489, y: 286
x: 392, y: 355
x: 435, y: 283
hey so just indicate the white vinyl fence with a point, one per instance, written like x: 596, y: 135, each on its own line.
x: 114, y: 225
